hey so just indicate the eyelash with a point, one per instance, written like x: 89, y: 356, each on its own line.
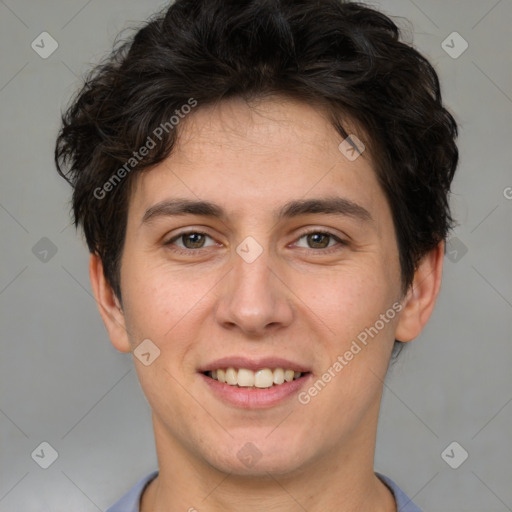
x: 302, y: 235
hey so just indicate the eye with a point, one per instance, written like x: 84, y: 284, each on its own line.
x: 320, y: 240
x: 190, y: 239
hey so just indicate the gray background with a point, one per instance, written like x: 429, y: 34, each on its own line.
x: 62, y: 382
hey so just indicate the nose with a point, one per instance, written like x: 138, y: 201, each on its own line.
x: 254, y: 298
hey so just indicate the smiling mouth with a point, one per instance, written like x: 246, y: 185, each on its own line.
x: 260, y: 379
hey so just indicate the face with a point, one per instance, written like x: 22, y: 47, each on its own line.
x: 261, y: 280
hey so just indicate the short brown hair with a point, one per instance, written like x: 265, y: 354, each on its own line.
x: 345, y: 56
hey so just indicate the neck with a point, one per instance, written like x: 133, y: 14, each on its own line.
x: 336, y: 480
x: 231, y: 494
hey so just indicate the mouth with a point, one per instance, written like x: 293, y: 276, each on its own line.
x: 254, y: 383
x: 259, y: 387
x: 263, y: 378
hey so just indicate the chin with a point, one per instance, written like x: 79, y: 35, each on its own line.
x: 259, y: 458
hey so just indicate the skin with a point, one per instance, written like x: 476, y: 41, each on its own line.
x: 297, y: 300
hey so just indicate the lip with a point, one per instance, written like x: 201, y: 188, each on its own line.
x: 255, y: 398
x: 254, y: 364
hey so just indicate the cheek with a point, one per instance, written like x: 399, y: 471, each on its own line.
x: 348, y: 299
x: 356, y: 339
x: 160, y: 303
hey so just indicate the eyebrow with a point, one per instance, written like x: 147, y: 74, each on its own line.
x: 328, y: 206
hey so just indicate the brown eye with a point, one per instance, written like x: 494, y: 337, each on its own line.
x: 320, y: 240
x: 196, y: 240
x: 189, y: 240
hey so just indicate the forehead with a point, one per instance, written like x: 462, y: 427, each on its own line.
x: 259, y: 155
x: 273, y: 126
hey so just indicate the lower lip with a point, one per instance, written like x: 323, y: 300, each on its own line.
x: 255, y: 398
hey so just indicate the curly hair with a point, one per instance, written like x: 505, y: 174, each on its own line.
x: 343, y: 56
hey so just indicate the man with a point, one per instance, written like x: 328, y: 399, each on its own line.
x: 263, y: 187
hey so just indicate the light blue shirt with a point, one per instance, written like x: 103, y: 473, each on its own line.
x: 131, y: 500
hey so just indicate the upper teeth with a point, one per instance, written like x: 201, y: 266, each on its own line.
x: 243, y: 377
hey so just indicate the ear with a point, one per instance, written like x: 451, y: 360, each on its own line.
x: 421, y: 296
x: 108, y: 305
